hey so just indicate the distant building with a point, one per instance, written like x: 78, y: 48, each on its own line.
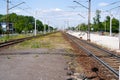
x: 4, y: 25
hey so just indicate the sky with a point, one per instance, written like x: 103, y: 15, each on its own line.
x: 61, y: 13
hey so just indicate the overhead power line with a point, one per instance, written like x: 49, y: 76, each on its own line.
x: 113, y: 8
x: 16, y: 5
x: 80, y: 4
x: 24, y: 9
x: 113, y: 3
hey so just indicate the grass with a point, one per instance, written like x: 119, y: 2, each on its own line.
x: 50, y: 41
x: 36, y: 56
x: 11, y: 37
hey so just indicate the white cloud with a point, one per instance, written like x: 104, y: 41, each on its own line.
x: 50, y: 10
x: 16, y: 11
x: 57, y: 9
x: 58, y: 16
x: 102, y: 4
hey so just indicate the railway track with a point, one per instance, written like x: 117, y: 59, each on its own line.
x: 110, y: 60
x: 11, y: 42
x: 15, y: 41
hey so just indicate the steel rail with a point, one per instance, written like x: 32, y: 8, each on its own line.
x: 14, y: 41
x: 108, y: 52
x: 89, y: 53
x: 7, y: 43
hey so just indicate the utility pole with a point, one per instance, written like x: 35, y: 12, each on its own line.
x: 7, y: 19
x: 44, y: 26
x: 105, y: 25
x: 111, y: 18
x: 48, y: 27
x: 119, y: 33
x: 35, y: 27
x: 35, y: 24
x: 89, y: 17
x: 68, y: 23
x: 7, y: 16
x: 64, y: 26
x: 110, y: 25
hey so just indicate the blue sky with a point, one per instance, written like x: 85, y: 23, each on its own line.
x: 59, y: 13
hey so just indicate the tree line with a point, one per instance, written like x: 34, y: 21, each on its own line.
x: 98, y: 25
x: 23, y: 23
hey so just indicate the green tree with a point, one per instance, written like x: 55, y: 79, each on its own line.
x: 83, y: 27
x: 40, y: 26
x: 98, y: 26
x: 1, y: 30
x: 115, y: 25
x: 24, y: 23
x: 94, y: 25
x: 107, y: 21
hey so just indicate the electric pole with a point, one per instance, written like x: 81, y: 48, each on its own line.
x: 48, y: 27
x: 44, y: 26
x: 7, y: 19
x: 110, y: 24
x: 35, y: 24
x: 89, y: 17
x: 119, y: 33
x: 35, y: 28
x: 7, y: 16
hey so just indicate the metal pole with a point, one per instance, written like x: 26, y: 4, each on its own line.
x: 35, y: 26
x: 89, y: 17
x: 7, y: 20
x: 48, y: 27
x: 79, y: 27
x: 119, y: 34
x: 68, y: 23
x: 44, y: 26
x: 64, y: 26
x: 110, y: 25
x: 105, y: 25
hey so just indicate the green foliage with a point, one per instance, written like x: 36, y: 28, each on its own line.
x: 40, y: 26
x: 101, y: 26
x: 1, y: 30
x: 82, y: 27
x: 97, y: 24
x: 115, y: 25
x: 23, y: 23
x: 71, y: 28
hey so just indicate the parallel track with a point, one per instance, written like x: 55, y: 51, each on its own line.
x: 106, y: 58
x: 15, y: 41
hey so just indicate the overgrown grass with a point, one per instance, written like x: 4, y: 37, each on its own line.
x: 11, y: 37
x: 50, y: 41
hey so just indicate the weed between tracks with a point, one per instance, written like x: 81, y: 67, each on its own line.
x: 52, y: 41
x: 11, y: 37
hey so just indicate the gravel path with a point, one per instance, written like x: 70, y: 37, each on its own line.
x: 33, y: 67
